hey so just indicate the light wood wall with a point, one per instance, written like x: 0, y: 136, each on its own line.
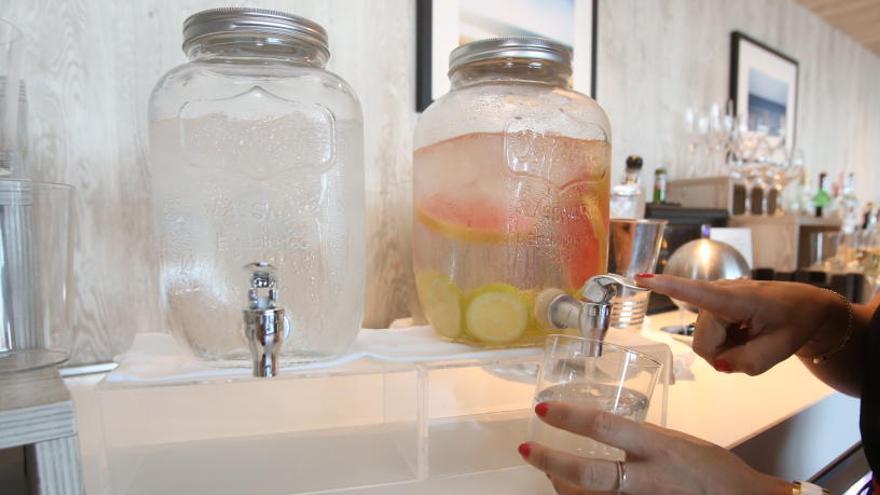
x: 92, y: 63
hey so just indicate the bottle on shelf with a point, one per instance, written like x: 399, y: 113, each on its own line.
x: 804, y: 194
x: 660, y: 184
x: 822, y: 198
x: 869, y: 217
x: 628, y: 197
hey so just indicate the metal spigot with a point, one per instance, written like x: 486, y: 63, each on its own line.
x: 591, y: 315
x: 265, y: 326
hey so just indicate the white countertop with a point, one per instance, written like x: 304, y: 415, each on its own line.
x: 729, y: 409
x: 725, y: 409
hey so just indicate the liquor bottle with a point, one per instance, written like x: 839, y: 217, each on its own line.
x: 660, y: 177
x: 804, y: 194
x: 869, y: 217
x: 628, y: 197
x: 822, y: 197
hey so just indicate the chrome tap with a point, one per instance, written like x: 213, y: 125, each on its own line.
x: 591, y: 315
x: 265, y: 326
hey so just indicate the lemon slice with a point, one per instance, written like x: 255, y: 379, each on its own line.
x: 497, y: 314
x: 442, y: 302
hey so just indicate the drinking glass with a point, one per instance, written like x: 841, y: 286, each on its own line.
x: 690, y: 130
x: 596, y: 374
x: 746, y: 148
x: 704, y: 146
x: 10, y: 51
x: 767, y: 177
x: 790, y: 171
x: 825, y: 252
x: 35, y: 256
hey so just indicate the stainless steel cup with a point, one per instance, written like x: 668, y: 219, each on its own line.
x: 634, y: 246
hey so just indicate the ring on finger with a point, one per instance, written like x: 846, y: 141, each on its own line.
x: 621, y: 476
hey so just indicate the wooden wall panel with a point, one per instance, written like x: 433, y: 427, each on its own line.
x: 92, y: 64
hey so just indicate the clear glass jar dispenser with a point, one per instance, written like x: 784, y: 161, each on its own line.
x: 511, y: 185
x: 258, y: 184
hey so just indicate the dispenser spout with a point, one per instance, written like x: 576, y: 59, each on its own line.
x: 591, y: 315
x: 265, y: 325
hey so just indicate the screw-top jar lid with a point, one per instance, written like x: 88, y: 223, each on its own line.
x: 253, y: 20
x: 510, y: 47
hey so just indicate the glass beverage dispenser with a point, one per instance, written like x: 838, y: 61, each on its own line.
x: 511, y: 191
x: 258, y: 183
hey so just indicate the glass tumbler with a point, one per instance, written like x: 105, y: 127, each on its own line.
x: 10, y: 75
x: 35, y: 255
x: 595, y: 374
x: 825, y: 251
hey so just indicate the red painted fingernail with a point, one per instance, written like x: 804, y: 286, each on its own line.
x: 645, y: 275
x: 722, y: 365
x: 541, y: 409
x: 524, y: 450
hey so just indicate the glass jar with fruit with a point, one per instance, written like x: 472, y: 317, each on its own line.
x: 511, y: 186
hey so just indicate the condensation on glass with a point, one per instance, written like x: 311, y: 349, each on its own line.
x: 258, y: 184
x: 511, y: 186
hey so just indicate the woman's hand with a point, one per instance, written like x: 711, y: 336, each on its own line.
x: 749, y: 326
x: 658, y: 461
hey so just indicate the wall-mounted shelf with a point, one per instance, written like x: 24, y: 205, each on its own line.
x: 782, y: 242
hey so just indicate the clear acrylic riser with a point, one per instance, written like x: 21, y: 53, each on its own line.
x: 363, y: 425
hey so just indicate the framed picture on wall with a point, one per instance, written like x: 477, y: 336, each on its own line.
x: 764, y: 86
x: 442, y: 25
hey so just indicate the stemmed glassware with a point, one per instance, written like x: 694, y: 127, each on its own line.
x: 791, y: 170
x: 690, y: 126
x: 707, y: 139
x: 760, y: 158
x: 744, y: 146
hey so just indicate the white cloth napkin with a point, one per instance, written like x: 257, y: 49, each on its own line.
x: 159, y: 358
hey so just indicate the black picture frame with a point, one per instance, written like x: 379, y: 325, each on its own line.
x: 424, y: 37
x: 738, y: 40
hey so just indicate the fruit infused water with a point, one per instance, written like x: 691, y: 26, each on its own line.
x: 498, y: 218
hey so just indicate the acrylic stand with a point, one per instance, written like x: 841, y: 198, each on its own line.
x: 362, y: 428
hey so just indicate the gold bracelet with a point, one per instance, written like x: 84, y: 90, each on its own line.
x: 821, y: 358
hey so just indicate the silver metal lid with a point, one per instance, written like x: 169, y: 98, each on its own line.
x: 253, y: 20
x: 511, y: 47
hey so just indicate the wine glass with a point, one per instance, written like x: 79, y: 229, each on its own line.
x: 715, y: 141
x: 690, y: 128
x: 792, y: 169
x: 751, y: 147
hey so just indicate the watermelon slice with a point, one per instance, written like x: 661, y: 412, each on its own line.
x: 584, y: 243
x: 472, y: 220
